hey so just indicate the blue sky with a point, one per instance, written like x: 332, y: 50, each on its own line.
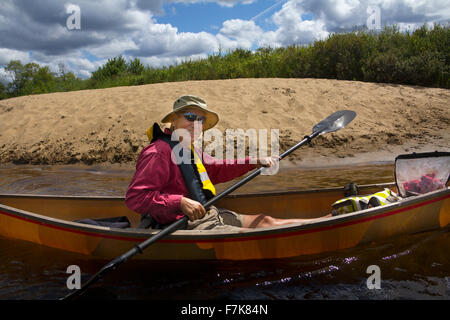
x: 163, y: 32
x: 209, y: 17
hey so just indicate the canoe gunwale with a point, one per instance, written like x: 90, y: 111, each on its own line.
x: 137, y: 235
x: 232, y: 195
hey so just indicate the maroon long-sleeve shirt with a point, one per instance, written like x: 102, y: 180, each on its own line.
x: 158, y: 186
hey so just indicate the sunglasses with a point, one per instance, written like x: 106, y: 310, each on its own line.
x: 189, y: 116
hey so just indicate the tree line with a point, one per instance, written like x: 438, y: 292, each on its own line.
x: 419, y: 58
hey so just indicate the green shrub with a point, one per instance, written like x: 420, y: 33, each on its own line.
x: 3, y: 92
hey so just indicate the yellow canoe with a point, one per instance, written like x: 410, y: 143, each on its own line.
x: 48, y: 220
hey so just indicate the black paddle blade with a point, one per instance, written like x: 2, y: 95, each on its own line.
x: 334, y: 122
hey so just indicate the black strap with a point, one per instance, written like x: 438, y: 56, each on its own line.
x: 350, y: 189
x: 147, y: 221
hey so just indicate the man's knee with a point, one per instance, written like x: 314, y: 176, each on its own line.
x: 266, y: 221
x: 258, y: 221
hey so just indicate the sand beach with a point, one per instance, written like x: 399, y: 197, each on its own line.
x: 107, y: 126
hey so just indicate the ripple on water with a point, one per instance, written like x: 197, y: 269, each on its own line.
x: 412, y: 267
x: 73, y: 180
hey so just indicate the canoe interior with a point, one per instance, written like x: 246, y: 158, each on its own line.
x: 287, y: 204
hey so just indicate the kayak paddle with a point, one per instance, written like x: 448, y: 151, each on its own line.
x: 334, y: 122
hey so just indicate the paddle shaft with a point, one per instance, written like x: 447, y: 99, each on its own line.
x: 176, y: 225
x: 112, y: 265
x: 257, y: 172
x: 322, y: 127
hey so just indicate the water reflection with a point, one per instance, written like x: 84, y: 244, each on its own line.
x: 73, y: 180
x: 412, y: 267
x: 417, y: 268
x: 63, y: 180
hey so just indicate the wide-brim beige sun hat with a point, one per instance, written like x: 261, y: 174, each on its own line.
x: 187, y: 101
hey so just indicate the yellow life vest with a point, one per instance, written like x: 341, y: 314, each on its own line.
x: 355, y: 203
x: 206, y: 182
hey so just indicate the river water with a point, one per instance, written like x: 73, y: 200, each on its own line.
x: 411, y: 267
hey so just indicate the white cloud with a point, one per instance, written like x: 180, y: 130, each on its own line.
x: 239, y: 33
x: 165, y: 40
x: 224, y: 3
x: 113, y: 48
x: 302, y: 33
x: 427, y: 8
x: 7, y: 55
x: 343, y: 10
x: 226, y: 44
x: 347, y: 14
x: 292, y: 29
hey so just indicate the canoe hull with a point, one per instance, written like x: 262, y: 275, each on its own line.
x: 415, y: 214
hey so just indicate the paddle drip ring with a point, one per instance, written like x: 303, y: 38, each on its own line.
x: 139, y: 249
x: 308, y: 139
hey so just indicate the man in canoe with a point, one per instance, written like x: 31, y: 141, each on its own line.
x: 163, y: 190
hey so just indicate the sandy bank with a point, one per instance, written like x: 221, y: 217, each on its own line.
x: 108, y: 125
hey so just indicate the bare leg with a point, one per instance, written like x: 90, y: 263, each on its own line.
x: 261, y: 221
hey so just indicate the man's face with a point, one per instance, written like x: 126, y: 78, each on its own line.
x: 180, y: 122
